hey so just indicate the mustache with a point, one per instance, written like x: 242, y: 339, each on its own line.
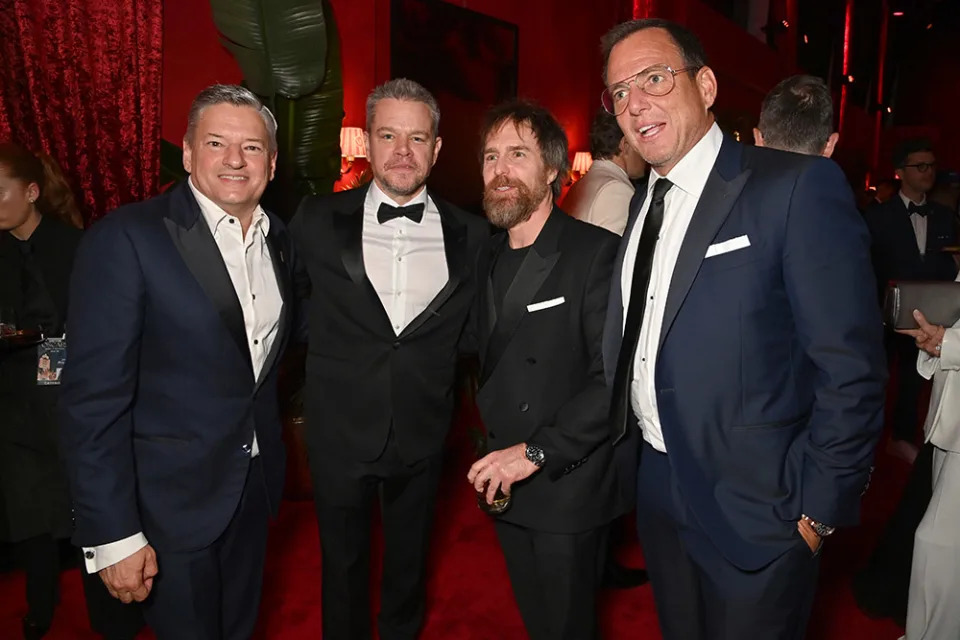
x: 406, y: 164
x: 504, y: 181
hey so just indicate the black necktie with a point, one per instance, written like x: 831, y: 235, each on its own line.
x: 642, y: 266
x: 919, y: 209
x: 388, y: 212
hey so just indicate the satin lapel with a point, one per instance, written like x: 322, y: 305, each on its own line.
x: 194, y: 241
x: 487, y: 307
x: 533, y: 272
x: 720, y: 193
x: 278, y: 259
x: 348, y: 225
x: 455, y: 249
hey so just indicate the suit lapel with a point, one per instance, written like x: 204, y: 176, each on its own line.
x: 278, y: 259
x: 455, y: 250
x: 533, y: 272
x: 721, y: 191
x: 194, y: 241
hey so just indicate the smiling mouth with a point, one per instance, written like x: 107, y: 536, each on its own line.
x: 231, y: 178
x: 650, y: 130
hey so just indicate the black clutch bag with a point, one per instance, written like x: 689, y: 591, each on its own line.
x: 937, y: 300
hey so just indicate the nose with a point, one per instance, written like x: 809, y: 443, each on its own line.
x: 402, y: 148
x: 501, y: 167
x: 233, y: 157
x: 637, y: 101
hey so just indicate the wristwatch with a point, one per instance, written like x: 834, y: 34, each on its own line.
x: 535, y: 455
x: 821, y: 529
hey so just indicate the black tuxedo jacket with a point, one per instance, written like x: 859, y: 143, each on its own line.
x: 542, y: 378
x: 361, y: 376
x: 159, y: 404
x: 894, y: 244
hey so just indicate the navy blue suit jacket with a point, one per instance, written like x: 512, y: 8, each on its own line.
x: 770, y: 373
x: 159, y: 403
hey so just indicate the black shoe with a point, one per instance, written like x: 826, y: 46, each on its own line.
x: 616, y: 576
x: 33, y: 630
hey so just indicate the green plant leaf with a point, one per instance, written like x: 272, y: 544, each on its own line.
x: 171, y: 163
x: 280, y: 45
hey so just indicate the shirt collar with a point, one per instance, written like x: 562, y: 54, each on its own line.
x: 215, y: 216
x: 907, y: 201
x: 691, y: 173
x: 376, y: 197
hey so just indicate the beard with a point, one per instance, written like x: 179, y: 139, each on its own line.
x: 508, y: 210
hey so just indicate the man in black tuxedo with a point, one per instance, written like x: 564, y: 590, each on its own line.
x: 909, y: 234
x: 179, y: 312
x: 540, y: 313
x: 391, y: 272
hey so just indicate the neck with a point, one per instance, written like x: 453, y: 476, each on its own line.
x: 401, y: 200
x: 663, y: 170
x: 618, y: 160
x: 525, y: 234
x: 25, y: 230
x: 912, y: 194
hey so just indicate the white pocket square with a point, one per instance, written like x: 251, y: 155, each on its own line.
x: 546, y: 304
x: 733, y: 244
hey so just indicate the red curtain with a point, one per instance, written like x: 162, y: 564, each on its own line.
x: 80, y: 79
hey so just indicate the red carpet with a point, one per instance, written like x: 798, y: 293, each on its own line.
x: 469, y: 593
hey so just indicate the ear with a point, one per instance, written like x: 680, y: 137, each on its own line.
x: 623, y: 147
x: 273, y: 165
x: 757, y: 137
x: 187, y: 156
x: 33, y: 191
x: 707, y: 85
x: 436, y: 149
x: 831, y: 144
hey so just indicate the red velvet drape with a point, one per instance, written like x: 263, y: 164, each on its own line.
x: 80, y: 79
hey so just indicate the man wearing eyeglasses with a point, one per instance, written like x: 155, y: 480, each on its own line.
x: 743, y: 348
x: 909, y: 235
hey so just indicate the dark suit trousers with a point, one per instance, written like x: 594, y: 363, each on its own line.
x: 698, y: 593
x: 214, y: 593
x: 343, y: 494
x: 555, y: 580
x: 909, y: 386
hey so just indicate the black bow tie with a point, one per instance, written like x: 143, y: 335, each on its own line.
x: 388, y: 212
x: 919, y: 209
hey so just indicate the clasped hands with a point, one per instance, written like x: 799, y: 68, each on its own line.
x: 501, y: 469
x: 131, y: 579
x: 929, y: 337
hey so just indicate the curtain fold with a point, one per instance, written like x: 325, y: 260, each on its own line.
x: 81, y: 80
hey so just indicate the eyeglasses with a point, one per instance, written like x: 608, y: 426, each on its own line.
x: 922, y: 167
x: 657, y: 80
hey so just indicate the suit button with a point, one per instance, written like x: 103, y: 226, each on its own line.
x: 492, y: 435
x: 88, y: 555
x: 524, y: 406
x: 396, y: 345
x: 531, y: 361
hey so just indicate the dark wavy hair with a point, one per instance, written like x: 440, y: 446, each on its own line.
x: 56, y: 197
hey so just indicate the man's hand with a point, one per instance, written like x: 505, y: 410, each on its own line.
x: 502, y: 469
x: 928, y: 337
x: 131, y: 579
x: 809, y: 535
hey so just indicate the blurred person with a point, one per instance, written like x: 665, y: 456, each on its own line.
x: 909, y: 234
x: 391, y: 273
x: 932, y: 613
x: 743, y: 351
x: 887, y: 189
x: 602, y: 196
x: 180, y: 308
x: 545, y: 409
x: 797, y: 116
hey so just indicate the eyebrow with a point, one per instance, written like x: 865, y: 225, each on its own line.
x: 516, y: 147
x: 221, y: 137
x: 412, y: 133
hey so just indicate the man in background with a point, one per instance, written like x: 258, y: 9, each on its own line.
x: 602, y: 196
x: 797, y: 116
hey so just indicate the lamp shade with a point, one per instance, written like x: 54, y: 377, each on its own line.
x: 582, y: 161
x: 351, y: 143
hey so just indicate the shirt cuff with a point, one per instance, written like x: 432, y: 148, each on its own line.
x: 106, y: 555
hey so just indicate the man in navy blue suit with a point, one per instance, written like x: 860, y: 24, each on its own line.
x: 179, y: 312
x: 743, y: 346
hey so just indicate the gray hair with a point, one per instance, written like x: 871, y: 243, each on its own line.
x: 404, y: 89
x: 237, y: 96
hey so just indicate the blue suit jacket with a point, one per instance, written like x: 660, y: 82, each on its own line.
x: 159, y: 404
x: 770, y: 373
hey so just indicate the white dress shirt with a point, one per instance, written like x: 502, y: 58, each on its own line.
x: 251, y: 271
x: 688, y: 177
x: 919, y: 223
x: 405, y: 260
